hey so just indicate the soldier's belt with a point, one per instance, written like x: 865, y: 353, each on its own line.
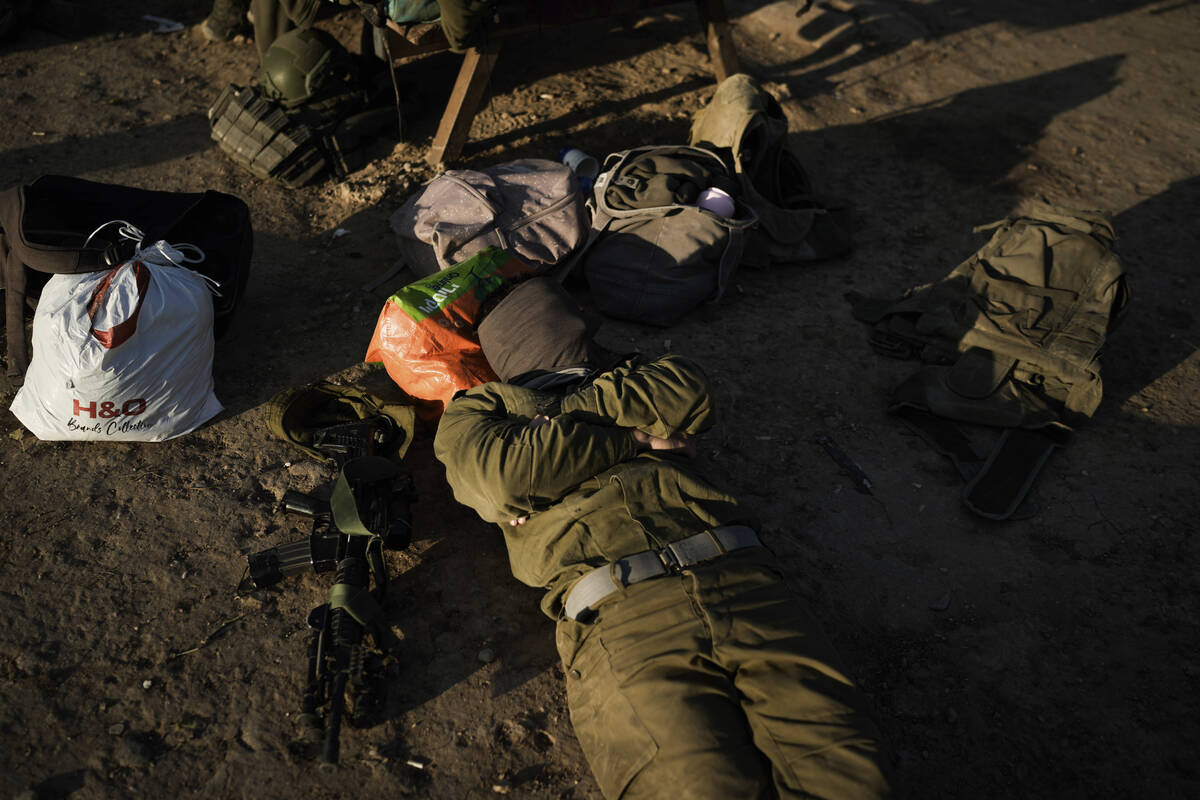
x: 603, y: 581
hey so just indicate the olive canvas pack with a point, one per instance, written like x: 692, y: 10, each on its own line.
x: 746, y: 126
x: 1011, y: 339
x: 654, y: 253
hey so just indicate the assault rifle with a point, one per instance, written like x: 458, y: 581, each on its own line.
x: 367, y: 513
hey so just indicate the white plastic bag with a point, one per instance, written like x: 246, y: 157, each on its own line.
x: 122, y: 355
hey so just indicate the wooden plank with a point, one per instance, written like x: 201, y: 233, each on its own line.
x: 433, y: 40
x: 478, y: 63
x: 468, y: 90
x: 719, y: 37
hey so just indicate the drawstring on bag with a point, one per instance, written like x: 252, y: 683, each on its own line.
x: 161, y: 253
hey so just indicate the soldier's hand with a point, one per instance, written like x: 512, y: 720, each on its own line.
x: 679, y: 442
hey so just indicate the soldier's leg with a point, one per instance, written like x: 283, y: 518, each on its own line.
x: 654, y: 716
x: 807, y: 716
x: 273, y: 18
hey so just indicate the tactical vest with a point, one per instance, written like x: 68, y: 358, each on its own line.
x: 326, y: 136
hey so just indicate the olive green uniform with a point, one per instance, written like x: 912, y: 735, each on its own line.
x: 707, y: 683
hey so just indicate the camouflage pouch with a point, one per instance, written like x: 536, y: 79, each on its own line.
x: 297, y: 139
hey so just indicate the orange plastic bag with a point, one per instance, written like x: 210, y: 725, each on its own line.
x: 425, y: 335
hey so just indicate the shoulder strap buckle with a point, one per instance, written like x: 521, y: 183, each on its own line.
x: 630, y: 181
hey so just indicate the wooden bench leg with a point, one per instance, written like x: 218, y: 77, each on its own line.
x: 464, y: 100
x: 720, y: 40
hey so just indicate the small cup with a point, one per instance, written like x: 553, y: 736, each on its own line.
x: 718, y: 202
x: 580, y: 163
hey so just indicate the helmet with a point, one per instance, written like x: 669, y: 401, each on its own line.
x: 298, y: 63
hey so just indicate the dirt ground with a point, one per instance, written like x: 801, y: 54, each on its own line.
x: 1053, y: 657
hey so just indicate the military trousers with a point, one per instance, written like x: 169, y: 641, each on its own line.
x: 273, y: 18
x: 716, y: 683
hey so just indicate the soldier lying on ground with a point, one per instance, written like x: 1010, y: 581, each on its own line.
x: 692, y: 669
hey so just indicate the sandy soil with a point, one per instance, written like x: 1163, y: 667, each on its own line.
x: 1050, y: 657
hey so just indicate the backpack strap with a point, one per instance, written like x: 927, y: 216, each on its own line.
x: 1000, y: 487
x: 63, y: 251
x: 997, y: 481
x: 946, y: 438
x: 601, y: 219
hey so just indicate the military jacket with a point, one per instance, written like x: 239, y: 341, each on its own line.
x: 588, y: 495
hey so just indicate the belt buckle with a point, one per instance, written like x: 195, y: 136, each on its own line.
x: 669, y: 560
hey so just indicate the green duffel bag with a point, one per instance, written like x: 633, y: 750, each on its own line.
x: 654, y: 253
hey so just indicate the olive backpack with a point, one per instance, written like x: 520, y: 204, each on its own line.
x: 1011, y: 339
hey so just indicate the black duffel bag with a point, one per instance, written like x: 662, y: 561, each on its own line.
x: 51, y: 226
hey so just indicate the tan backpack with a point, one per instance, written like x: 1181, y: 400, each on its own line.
x: 746, y: 126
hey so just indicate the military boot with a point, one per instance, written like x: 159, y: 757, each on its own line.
x: 226, y: 20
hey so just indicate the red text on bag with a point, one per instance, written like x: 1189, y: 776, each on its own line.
x: 108, y: 409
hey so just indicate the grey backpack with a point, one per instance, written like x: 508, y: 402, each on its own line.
x: 1011, y: 339
x: 531, y: 207
x: 653, y: 253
